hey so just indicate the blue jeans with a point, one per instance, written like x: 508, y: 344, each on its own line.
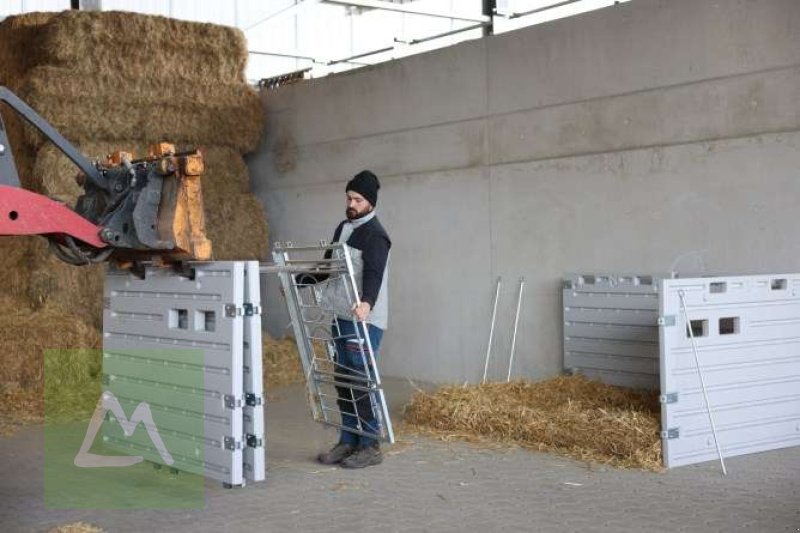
x: 349, y: 361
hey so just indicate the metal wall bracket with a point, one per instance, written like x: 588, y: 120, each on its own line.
x: 671, y: 433
x: 666, y: 321
x: 231, y: 443
x: 232, y: 402
x: 671, y: 397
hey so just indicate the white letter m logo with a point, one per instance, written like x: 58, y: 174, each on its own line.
x: 109, y: 402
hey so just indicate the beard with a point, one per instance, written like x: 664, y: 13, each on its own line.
x: 353, y: 214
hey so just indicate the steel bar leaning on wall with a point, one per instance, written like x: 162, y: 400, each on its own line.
x: 516, y: 323
x: 491, y: 329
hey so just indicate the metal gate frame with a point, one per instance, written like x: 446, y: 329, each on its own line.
x: 312, y: 313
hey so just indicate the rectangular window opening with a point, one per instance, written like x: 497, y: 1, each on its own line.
x: 178, y: 319
x: 205, y: 320
x: 699, y: 328
x: 729, y: 325
x: 718, y: 287
x: 778, y: 284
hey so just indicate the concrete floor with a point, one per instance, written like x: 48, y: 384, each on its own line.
x: 426, y: 485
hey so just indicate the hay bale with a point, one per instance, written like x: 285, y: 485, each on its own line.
x: 236, y: 226
x: 568, y: 415
x: 26, y: 334
x: 119, y: 76
x: 111, y: 81
x: 281, y: 362
x: 47, y: 81
x: 77, y: 290
x: 17, y: 33
x: 196, y: 121
x: 225, y: 170
x: 149, y: 46
x: 14, y: 261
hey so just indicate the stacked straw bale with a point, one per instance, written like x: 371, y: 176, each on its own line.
x: 570, y: 415
x: 118, y: 81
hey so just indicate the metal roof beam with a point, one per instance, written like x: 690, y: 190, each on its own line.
x: 438, y: 35
x: 359, y: 56
x: 292, y: 54
x: 401, y: 8
x: 514, y: 15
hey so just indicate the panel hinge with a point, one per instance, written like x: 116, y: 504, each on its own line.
x: 671, y: 397
x: 232, y: 402
x: 231, y: 311
x: 253, y: 441
x: 252, y: 400
x: 231, y: 443
x: 568, y: 284
x: 251, y: 310
x: 671, y: 433
x: 666, y: 320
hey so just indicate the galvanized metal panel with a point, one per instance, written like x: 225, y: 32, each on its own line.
x: 611, y: 328
x: 253, y: 410
x: 748, y: 349
x: 317, y: 306
x: 621, y: 378
x: 166, y: 321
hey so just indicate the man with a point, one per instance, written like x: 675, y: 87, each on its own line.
x: 369, y: 245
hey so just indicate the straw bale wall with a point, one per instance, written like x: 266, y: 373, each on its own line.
x: 109, y: 81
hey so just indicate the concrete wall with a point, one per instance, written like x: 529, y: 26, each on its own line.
x: 612, y: 141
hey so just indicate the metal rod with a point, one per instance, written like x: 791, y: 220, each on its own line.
x: 358, y: 56
x: 282, y: 54
x: 491, y: 329
x: 534, y: 11
x: 440, y: 35
x: 400, y: 8
x: 516, y: 322
x: 314, y: 60
x: 681, y: 295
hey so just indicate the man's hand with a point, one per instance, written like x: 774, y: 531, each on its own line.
x: 361, y: 311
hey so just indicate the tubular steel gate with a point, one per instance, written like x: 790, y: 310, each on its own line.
x: 320, y: 287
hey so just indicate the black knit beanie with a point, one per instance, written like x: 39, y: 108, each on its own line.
x: 366, y: 184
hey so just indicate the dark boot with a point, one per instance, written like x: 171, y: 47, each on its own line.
x: 336, y: 454
x: 363, y: 457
